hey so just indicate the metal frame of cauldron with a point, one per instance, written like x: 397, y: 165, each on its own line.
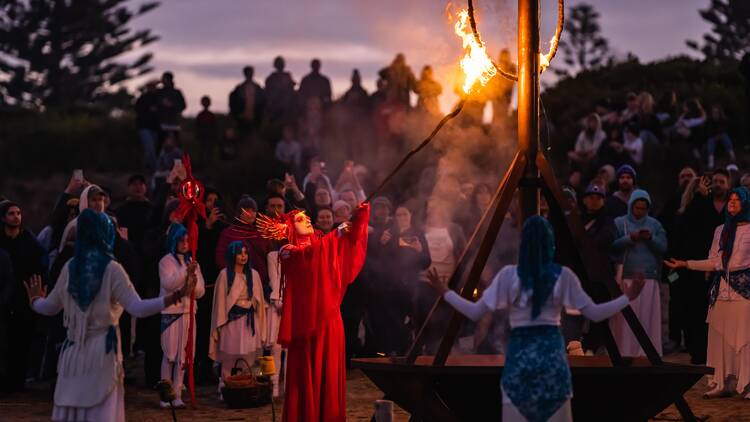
x: 448, y: 388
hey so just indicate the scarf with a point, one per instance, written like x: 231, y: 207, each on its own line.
x: 232, y: 251
x: 726, y: 241
x: 93, y: 252
x: 536, y: 269
x: 175, y: 233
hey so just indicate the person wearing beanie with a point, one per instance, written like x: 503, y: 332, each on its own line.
x: 617, y: 203
x: 600, y: 233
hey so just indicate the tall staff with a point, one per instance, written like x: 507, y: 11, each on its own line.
x: 191, y: 206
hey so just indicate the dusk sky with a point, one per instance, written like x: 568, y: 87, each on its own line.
x: 206, y: 43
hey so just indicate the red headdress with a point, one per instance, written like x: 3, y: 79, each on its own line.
x: 279, y: 228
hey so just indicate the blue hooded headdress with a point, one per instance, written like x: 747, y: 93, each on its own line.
x: 174, y: 234
x: 726, y: 241
x: 536, y: 268
x: 95, y: 239
x: 232, y: 251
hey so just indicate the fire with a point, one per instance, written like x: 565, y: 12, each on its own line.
x: 476, y: 64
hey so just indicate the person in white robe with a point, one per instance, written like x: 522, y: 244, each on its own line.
x: 239, y: 312
x: 729, y: 299
x: 92, y: 291
x: 176, y: 269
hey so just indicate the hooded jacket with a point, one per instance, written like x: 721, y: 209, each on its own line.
x: 641, y: 256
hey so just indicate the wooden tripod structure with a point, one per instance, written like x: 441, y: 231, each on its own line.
x: 454, y: 388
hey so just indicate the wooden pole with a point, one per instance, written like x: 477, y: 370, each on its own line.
x: 528, y: 102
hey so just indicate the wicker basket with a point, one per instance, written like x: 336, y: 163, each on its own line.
x: 244, y: 390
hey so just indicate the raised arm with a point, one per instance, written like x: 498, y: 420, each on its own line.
x: 37, y: 293
x: 124, y: 293
x: 600, y: 311
x: 472, y: 310
x: 573, y: 296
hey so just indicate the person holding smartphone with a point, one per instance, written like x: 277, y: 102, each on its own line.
x: 639, y: 246
x: 402, y: 254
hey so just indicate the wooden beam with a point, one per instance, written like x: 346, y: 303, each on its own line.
x: 576, y: 229
x: 463, y: 260
x: 514, y: 175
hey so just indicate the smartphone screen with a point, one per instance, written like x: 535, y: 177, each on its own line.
x: 78, y: 174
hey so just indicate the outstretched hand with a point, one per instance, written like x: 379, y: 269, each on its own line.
x: 634, y: 288
x: 35, y: 288
x: 673, y: 264
x: 440, y: 284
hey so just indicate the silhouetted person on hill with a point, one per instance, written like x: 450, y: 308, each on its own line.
x: 315, y: 84
x: 171, y: 104
x: 147, y: 124
x: 400, y: 79
x: 207, y: 128
x: 280, y: 92
x: 356, y: 98
x: 246, y: 102
x: 428, y: 90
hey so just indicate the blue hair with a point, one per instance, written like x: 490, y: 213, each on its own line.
x: 536, y: 267
x: 233, y: 250
x: 95, y: 240
x: 175, y: 233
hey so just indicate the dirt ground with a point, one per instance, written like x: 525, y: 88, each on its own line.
x: 142, y: 405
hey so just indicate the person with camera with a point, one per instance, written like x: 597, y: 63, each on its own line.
x: 701, y: 211
x: 639, y: 246
x: 402, y: 254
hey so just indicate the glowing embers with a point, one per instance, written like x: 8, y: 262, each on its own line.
x: 476, y: 64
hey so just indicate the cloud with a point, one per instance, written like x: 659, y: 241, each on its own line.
x: 207, y: 42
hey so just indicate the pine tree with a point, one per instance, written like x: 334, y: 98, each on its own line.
x: 582, y: 43
x: 61, y: 53
x: 730, y: 30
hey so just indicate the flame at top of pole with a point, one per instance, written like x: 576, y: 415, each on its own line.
x: 476, y: 64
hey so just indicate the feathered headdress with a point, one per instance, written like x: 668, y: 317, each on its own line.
x: 275, y: 228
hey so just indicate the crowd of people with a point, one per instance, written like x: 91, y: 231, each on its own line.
x: 235, y: 272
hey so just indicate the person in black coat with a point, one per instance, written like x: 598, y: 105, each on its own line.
x: 399, y: 254
x: 693, y: 233
x: 247, y: 102
x: 600, y: 232
x: 7, y: 282
x: 28, y: 258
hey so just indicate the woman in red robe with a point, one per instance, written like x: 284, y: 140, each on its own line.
x: 317, y: 271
